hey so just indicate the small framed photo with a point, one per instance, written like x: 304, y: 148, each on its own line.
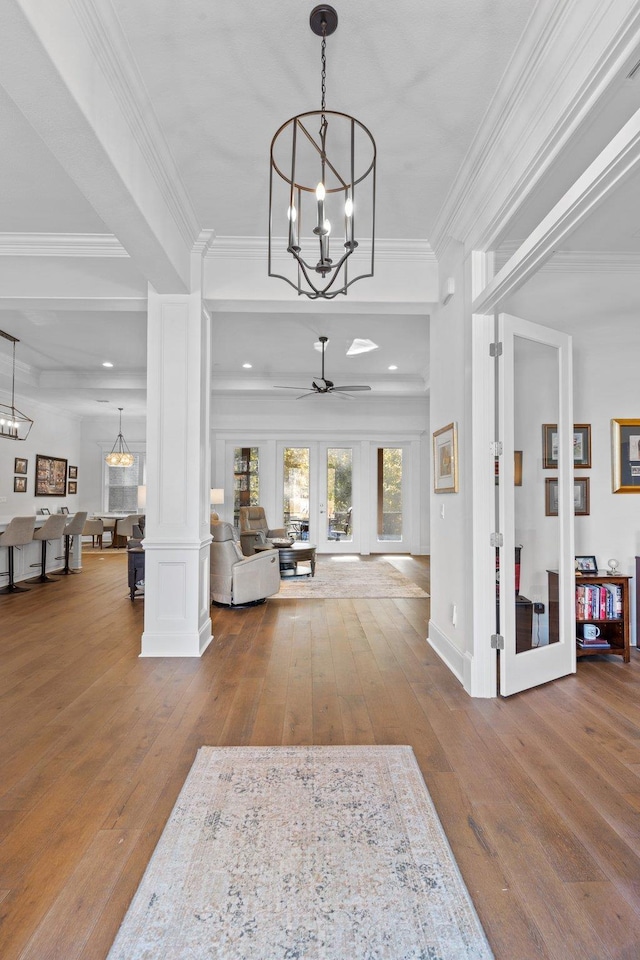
x: 625, y: 456
x: 445, y: 459
x: 64, y: 509
x: 45, y: 511
x: 586, y: 565
x: 19, y: 484
x: 20, y: 465
x: 581, y: 506
x: 581, y: 446
x: 72, y: 487
x: 73, y: 473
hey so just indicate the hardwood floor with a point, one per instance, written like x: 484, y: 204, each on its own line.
x: 539, y: 794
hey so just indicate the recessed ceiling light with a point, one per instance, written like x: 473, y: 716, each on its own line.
x: 393, y: 367
x: 361, y: 346
x: 107, y: 364
x: 247, y: 366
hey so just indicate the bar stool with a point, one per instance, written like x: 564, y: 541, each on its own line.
x: 73, y: 527
x: 18, y: 533
x: 51, y: 529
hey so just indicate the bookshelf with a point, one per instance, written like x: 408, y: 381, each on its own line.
x: 601, y: 599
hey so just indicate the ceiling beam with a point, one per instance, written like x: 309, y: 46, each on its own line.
x: 67, y: 67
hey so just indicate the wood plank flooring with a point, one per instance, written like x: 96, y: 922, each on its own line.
x: 539, y: 794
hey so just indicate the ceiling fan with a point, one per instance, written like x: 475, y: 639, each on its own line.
x: 322, y: 385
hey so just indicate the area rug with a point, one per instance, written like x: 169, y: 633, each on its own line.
x: 349, y: 576
x: 330, y: 853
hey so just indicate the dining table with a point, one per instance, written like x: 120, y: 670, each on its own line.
x: 117, y: 541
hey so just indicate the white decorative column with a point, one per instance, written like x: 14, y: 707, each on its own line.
x: 177, y: 620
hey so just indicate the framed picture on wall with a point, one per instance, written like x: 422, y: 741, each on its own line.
x: 19, y: 484
x: 73, y: 473
x: 580, y: 496
x: 51, y: 476
x: 625, y: 456
x: 581, y: 446
x: 73, y: 487
x: 20, y: 465
x: 445, y: 459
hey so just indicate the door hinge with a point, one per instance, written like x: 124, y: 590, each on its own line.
x: 497, y: 641
x: 495, y: 349
x: 496, y: 448
x: 496, y: 540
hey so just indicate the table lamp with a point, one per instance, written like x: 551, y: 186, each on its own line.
x: 217, y: 498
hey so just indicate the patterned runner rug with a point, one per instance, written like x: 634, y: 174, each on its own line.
x: 330, y: 853
x: 349, y: 576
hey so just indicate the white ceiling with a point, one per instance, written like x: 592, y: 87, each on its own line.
x: 219, y: 79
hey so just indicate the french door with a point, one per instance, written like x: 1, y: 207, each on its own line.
x: 534, y: 486
x: 320, y: 485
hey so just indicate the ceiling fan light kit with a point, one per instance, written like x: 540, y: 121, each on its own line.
x: 324, y: 387
x: 322, y: 180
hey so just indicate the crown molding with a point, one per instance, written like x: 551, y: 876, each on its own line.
x: 86, y: 304
x: 579, y: 261
x: 256, y: 248
x: 567, y: 59
x: 106, y: 39
x: 60, y: 245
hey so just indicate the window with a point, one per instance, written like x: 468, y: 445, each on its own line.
x: 122, y: 485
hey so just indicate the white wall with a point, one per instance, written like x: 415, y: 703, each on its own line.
x: 451, y: 515
x: 98, y: 437
x: 264, y: 420
x: 53, y: 434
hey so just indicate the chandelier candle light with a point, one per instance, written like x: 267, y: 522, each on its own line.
x: 14, y: 425
x: 120, y: 455
x: 314, y: 176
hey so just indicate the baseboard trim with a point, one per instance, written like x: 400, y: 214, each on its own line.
x: 448, y: 653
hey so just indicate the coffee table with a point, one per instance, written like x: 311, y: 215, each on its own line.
x: 293, y: 554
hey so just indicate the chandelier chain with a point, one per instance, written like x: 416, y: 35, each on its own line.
x: 323, y: 121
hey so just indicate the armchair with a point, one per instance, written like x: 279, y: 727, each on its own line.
x: 235, y: 579
x: 254, y: 529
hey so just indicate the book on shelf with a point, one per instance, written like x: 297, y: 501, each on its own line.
x: 597, y: 644
x: 598, y: 601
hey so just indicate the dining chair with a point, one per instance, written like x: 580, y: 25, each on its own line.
x: 94, y: 528
x: 19, y: 532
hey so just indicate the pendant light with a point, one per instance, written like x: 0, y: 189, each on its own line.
x: 322, y: 181
x: 120, y: 455
x: 14, y: 425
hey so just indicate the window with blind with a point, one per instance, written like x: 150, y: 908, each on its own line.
x: 122, y: 485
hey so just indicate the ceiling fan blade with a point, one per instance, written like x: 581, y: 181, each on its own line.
x: 303, y: 395
x: 360, y: 387
x: 280, y: 386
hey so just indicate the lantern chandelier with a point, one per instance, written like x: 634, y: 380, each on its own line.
x: 318, y: 159
x: 14, y: 425
x: 120, y: 455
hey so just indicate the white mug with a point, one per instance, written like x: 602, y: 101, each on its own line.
x: 590, y: 631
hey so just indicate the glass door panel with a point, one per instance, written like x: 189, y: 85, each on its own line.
x: 537, y: 552
x: 246, y: 479
x: 389, y: 496
x: 339, y: 477
x: 296, y: 490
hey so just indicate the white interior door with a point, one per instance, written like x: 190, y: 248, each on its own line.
x: 535, y: 509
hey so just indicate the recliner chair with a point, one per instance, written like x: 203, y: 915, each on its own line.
x: 236, y: 580
x: 254, y: 529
